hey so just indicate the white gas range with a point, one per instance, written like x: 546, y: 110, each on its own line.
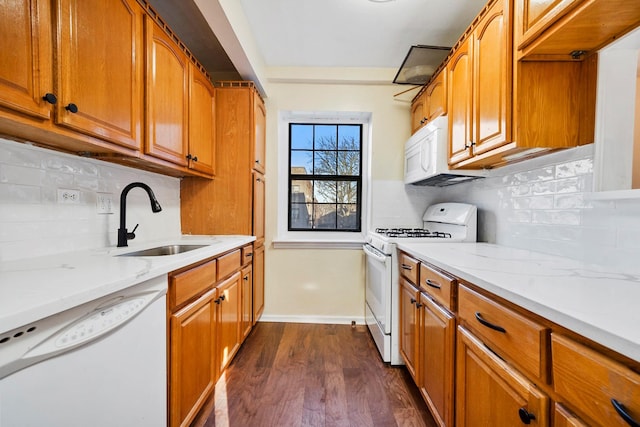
x: 442, y: 222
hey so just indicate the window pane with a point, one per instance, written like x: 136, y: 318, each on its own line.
x: 348, y: 217
x: 347, y: 192
x: 324, y: 191
x: 349, y: 137
x: 301, y: 136
x: 325, y: 163
x: 301, y: 191
x: 349, y: 163
x: 325, y: 137
x: 301, y: 162
x: 324, y: 216
x: 299, y: 215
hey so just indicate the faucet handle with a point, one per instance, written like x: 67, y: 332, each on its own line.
x: 132, y: 233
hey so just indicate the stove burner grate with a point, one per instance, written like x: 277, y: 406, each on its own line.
x: 412, y: 233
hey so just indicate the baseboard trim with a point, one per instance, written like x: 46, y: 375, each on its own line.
x: 329, y: 320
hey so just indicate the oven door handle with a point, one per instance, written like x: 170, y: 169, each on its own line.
x: 369, y: 251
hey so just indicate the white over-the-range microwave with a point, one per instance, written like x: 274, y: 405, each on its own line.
x: 426, y: 158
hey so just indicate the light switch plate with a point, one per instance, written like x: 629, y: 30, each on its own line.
x: 104, y: 203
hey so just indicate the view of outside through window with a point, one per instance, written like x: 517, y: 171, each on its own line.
x: 325, y: 177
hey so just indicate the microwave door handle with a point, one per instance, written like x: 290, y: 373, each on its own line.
x: 369, y: 252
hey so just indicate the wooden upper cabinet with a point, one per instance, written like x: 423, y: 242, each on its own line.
x: 99, y: 85
x: 418, y: 112
x: 25, y: 69
x: 201, y: 122
x: 259, y: 136
x: 492, y: 80
x: 460, y: 91
x: 436, y: 94
x: 562, y: 27
x: 167, y: 100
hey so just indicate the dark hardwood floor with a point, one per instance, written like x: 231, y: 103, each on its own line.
x: 293, y: 374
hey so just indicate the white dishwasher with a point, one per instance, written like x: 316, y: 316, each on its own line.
x: 101, y: 364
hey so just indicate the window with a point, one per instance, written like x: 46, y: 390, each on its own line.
x: 325, y: 177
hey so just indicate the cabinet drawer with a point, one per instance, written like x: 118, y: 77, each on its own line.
x: 511, y: 335
x: 440, y: 286
x: 229, y: 263
x: 590, y: 382
x: 409, y: 267
x: 188, y: 284
x: 247, y: 254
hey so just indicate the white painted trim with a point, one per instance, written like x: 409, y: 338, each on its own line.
x: 314, y: 239
x: 613, y: 195
x: 325, y: 320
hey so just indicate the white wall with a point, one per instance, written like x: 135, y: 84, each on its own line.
x: 34, y: 223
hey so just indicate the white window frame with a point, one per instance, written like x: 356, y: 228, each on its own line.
x: 326, y: 239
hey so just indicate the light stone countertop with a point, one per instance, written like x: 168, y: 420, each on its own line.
x: 35, y: 288
x: 594, y: 301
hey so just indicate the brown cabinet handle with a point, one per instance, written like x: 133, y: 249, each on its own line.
x: 406, y: 267
x: 489, y: 325
x: 432, y: 284
x: 622, y: 411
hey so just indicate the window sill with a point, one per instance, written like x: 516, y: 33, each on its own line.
x: 317, y: 244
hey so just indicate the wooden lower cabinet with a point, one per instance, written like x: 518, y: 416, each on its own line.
x: 246, y: 322
x: 436, y: 358
x: 492, y: 393
x: 228, y: 332
x: 564, y: 418
x: 258, y: 283
x: 192, y: 358
x: 409, y: 295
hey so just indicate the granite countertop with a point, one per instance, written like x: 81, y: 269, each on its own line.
x: 35, y: 288
x: 594, y: 301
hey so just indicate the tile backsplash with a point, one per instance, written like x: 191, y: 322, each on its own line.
x: 37, y: 219
x: 545, y: 205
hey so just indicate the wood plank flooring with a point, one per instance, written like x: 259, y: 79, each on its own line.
x: 294, y: 374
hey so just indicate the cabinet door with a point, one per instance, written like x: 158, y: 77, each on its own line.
x: 492, y: 80
x: 534, y: 16
x: 409, y: 325
x: 99, y: 85
x: 202, y: 135
x: 418, y: 112
x: 437, y: 96
x: 490, y: 392
x: 437, y: 346
x: 166, y: 97
x: 563, y: 418
x: 25, y: 69
x: 258, y: 283
x: 247, y: 301
x: 258, y: 207
x: 459, y: 103
x: 192, y: 359
x: 259, y: 136
x: 228, y: 326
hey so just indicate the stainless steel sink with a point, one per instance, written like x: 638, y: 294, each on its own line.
x: 164, y: 250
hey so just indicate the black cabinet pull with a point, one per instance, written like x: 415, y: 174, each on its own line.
x: 622, y: 411
x: 50, y: 98
x: 413, y: 300
x: 525, y: 416
x: 189, y: 157
x: 406, y: 267
x: 488, y: 324
x: 222, y: 298
x: 195, y: 159
x: 250, y: 254
x: 418, y: 305
x: 246, y: 278
x: 72, y: 108
x: 432, y: 284
x: 217, y: 300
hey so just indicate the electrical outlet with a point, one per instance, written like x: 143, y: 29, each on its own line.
x: 104, y: 203
x: 71, y: 197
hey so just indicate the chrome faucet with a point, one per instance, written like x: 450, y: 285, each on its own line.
x: 123, y: 234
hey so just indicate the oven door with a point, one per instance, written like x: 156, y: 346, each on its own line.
x: 378, y: 287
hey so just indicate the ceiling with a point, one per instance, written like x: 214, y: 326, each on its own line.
x: 324, y: 33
